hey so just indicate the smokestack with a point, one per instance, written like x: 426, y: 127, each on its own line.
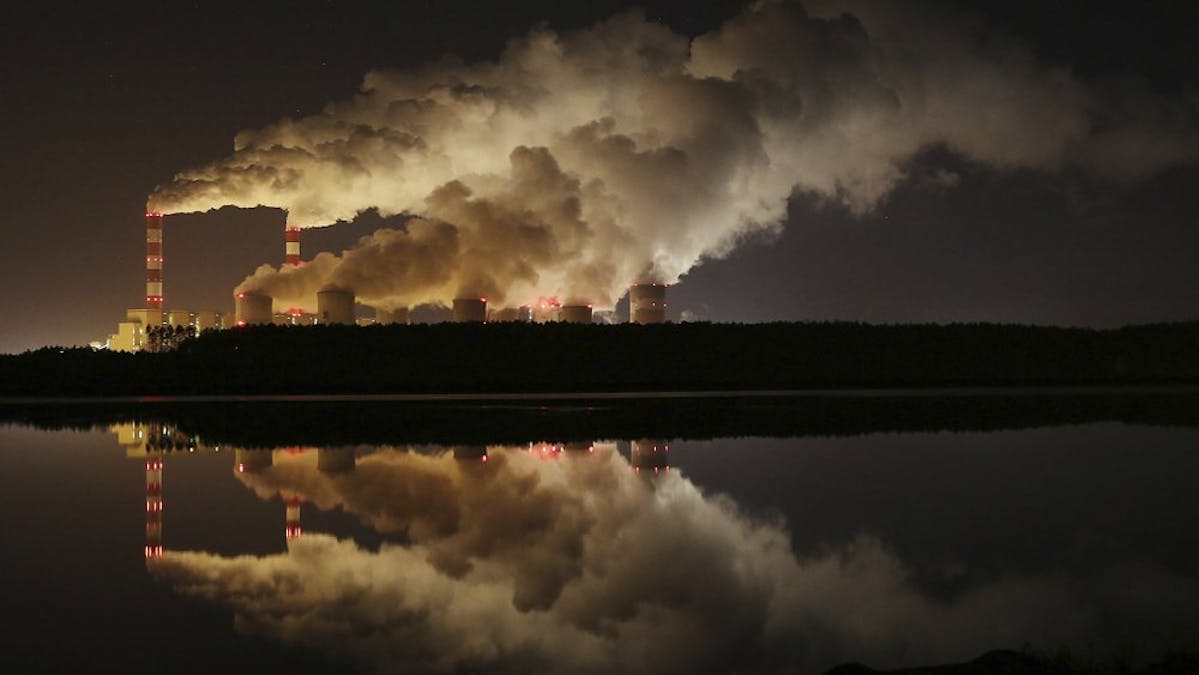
x: 383, y: 316
x: 470, y: 310
x: 335, y: 306
x: 154, y: 260
x: 252, y: 308
x: 576, y: 314
x: 291, y: 246
x: 647, y: 303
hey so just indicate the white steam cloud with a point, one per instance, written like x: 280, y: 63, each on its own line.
x: 577, y: 163
x: 578, y: 565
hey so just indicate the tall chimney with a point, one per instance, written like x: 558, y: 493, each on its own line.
x: 153, y: 504
x: 154, y: 260
x: 291, y: 238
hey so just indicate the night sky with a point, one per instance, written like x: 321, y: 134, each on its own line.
x: 104, y: 101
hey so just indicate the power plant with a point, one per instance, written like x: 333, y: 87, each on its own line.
x: 144, y: 327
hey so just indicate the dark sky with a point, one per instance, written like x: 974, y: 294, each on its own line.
x: 103, y: 101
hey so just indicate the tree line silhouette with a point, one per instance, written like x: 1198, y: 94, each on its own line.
x: 517, y: 357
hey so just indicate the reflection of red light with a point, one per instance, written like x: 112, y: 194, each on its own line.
x: 241, y: 324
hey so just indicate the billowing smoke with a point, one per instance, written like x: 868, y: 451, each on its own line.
x: 577, y: 163
x: 579, y: 565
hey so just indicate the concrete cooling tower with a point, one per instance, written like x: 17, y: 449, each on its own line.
x: 647, y: 303
x: 252, y: 308
x: 335, y: 306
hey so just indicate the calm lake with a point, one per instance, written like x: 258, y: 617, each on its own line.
x: 791, y: 535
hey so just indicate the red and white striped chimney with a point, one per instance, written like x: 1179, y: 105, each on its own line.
x: 292, y: 527
x: 153, y: 505
x: 153, y: 260
x: 291, y: 237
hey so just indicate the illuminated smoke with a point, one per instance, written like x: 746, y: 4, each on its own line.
x: 577, y: 163
x: 578, y: 565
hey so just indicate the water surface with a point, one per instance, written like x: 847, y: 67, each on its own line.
x: 148, y: 543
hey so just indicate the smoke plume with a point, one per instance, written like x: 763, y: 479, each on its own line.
x: 579, y: 162
x: 579, y: 565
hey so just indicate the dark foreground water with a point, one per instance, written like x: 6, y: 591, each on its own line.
x: 142, y: 545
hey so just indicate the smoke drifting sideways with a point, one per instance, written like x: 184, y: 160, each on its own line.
x: 577, y: 163
x: 579, y: 565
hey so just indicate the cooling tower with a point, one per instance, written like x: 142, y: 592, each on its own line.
x: 470, y: 310
x: 383, y: 316
x: 576, y: 314
x: 252, y: 308
x: 154, y: 260
x: 476, y: 452
x: 251, y: 461
x: 649, y: 453
x: 291, y: 245
x: 647, y: 303
x: 335, y: 306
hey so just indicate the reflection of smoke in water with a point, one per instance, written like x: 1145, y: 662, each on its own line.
x: 580, y: 565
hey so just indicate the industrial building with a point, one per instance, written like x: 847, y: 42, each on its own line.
x: 136, y: 332
x: 647, y: 304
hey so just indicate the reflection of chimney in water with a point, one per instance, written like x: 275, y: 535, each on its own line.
x: 153, y: 505
x: 292, y: 528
